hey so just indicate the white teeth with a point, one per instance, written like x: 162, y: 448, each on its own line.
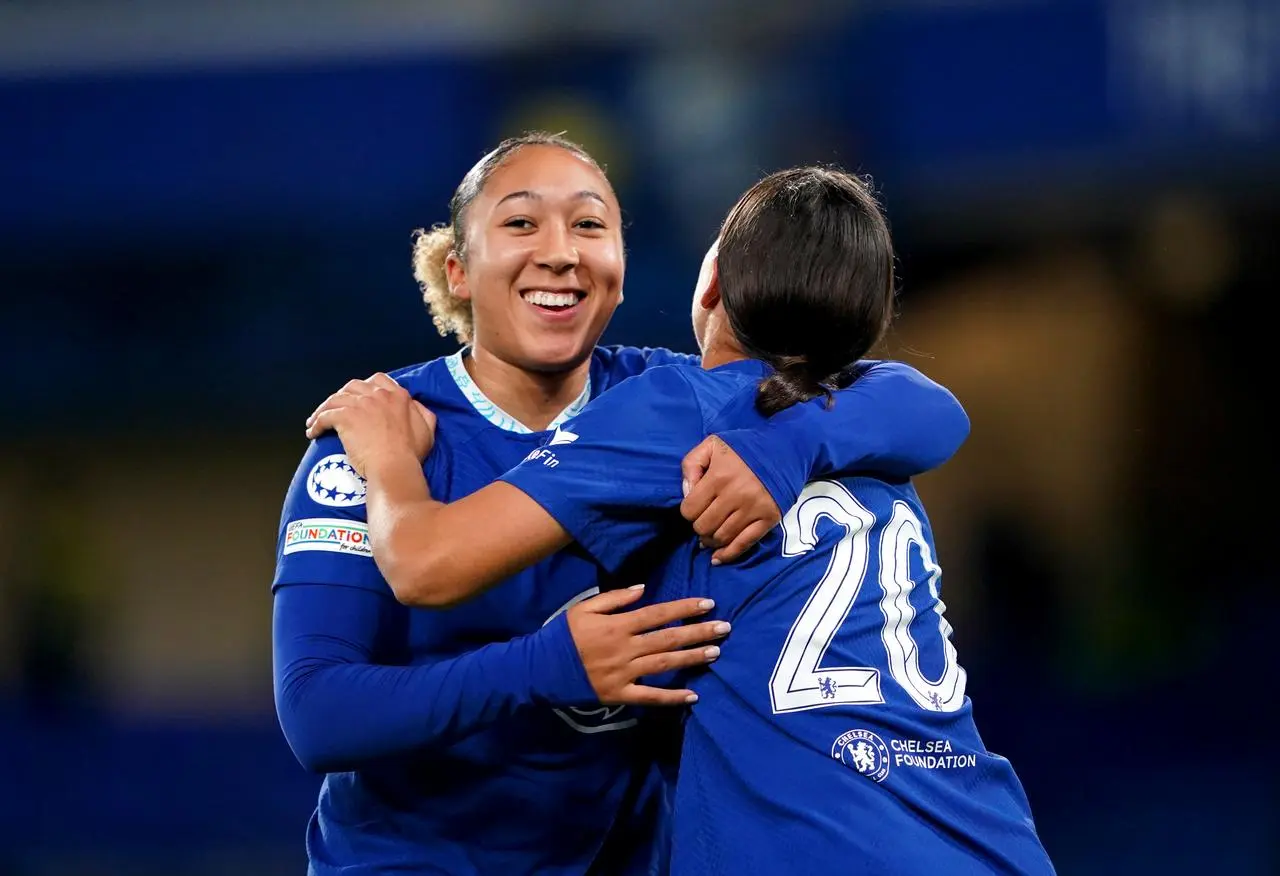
x: 551, y: 299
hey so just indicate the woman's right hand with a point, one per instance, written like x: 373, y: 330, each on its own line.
x: 373, y: 416
x: 619, y: 647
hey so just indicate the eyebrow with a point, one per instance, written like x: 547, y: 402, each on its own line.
x: 585, y: 194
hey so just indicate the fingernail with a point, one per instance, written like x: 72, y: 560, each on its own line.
x: 715, y: 561
x: 711, y: 652
x: 684, y: 486
x: 722, y: 628
x: 691, y: 699
x: 636, y: 587
x: 707, y: 604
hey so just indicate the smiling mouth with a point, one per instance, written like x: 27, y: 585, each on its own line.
x: 553, y: 300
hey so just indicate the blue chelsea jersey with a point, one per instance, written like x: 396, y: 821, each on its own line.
x: 533, y: 795
x: 833, y: 734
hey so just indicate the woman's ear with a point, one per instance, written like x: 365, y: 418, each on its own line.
x: 711, y: 294
x: 456, y: 273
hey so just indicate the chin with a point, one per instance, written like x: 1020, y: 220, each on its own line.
x: 558, y: 354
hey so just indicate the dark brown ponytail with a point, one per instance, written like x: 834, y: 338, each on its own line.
x: 792, y: 382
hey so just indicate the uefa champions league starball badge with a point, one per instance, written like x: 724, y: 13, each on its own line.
x: 334, y: 482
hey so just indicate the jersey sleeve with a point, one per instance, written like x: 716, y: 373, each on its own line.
x: 339, y: 708
x: 610, y: 475
x: 892, y: 420
x: 323, y: 536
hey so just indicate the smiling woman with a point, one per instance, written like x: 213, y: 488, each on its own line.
x: 532, y: 259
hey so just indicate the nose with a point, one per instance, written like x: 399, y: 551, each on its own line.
x: 557, y: 252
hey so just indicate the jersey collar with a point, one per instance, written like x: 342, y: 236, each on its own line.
x: 745, y: 366
x: 496, y: 415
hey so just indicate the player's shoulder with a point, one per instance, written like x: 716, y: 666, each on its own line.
x: 614, y: 363
x: 444, y: 386
x: 662, y: 380
x: 731, y: 377
x: 325, y: 476
x: 656, y: 395
x: 722, y: 398
x: 325, y: 479
x: 425, y: 380
x: 879, y: 494
x: 727, y: 393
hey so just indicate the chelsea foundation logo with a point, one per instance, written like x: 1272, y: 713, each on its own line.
x: 333, y: 482
x: 863, y: 751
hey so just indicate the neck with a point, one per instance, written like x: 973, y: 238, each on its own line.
x: 534, y: 398
x: 720, y: 347
x: 714, y: 358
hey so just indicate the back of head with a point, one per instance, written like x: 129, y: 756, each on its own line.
x: 806, y: 278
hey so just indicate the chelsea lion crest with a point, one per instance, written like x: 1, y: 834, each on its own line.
x: 863, y: 751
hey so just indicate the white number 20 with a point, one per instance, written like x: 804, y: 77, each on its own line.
x: 797, y: 682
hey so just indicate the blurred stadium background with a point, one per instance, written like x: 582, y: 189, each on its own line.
x: 205, y: 212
